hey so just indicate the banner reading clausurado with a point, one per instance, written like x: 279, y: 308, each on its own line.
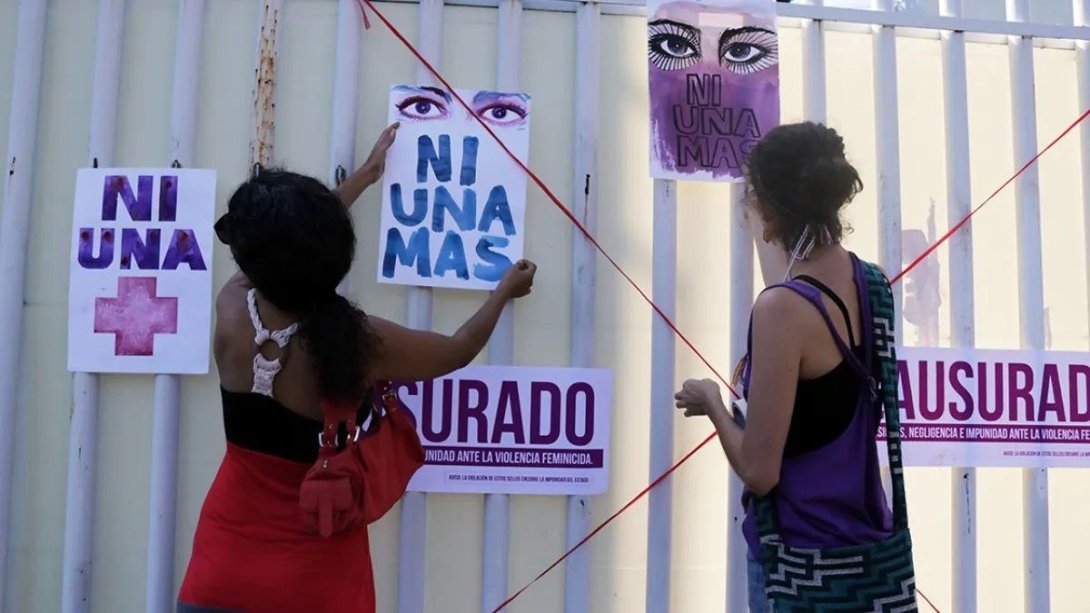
x: 978, y: 408
x: 513, y: 430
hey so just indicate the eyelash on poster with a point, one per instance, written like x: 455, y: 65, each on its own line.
x: 416, y: 99
x: 508, y: 105
x: 658, y: 33
x: 764, y: 41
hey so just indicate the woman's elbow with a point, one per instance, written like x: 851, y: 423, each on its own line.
x: 458, y: 358
x: 464, y: 361
x: 761, y: 482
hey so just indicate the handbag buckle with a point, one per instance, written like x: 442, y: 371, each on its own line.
x: 351, y: 438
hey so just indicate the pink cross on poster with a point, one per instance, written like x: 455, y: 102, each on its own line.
x: 140, y: 289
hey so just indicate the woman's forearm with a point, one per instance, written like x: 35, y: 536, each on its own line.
x: 475, y: 332
x: 354, y: 184
x: 730, y: 435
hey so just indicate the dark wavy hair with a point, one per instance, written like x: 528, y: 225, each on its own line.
x: 293, y: 238
x: 797, y: 178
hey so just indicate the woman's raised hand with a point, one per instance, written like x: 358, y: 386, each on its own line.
x: 518, y: 280
x: 376, y: 162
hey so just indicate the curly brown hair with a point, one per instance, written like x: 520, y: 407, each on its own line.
x: 798, y: 178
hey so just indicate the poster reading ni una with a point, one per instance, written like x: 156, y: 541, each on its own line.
x: 714, y: 74
x: 974, y: 407
x: 140, y: 288
x: 453, y: 201
x: 513, y: 430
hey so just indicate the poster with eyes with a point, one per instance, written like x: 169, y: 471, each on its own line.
x: 714, y: 82
x: 453, y: 201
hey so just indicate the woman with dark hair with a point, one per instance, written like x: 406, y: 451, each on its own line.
x: 805, y: 448
x: 281, y: 530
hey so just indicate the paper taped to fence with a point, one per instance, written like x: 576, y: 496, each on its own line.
x: 714, y: 83
x: 976, y: 408
x: 140, y: 283
x: 513, y: 430
x: 453, y: 202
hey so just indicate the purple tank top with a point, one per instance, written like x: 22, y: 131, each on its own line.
x: 832, y: 496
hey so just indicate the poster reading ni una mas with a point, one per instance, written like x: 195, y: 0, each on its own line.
x: 453, y: 201
x: 140, y: 288
x: 714, y: 73
x: 513, y: 430
x: 975, y: 407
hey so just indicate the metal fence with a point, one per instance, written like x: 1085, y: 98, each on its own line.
x: 884, y: 25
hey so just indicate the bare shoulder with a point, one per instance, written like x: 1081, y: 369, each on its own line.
x: 232, y: 296
x: 781, y: 315
x: 231, y: 312
x: 779, y: 304
x: 381, y: 327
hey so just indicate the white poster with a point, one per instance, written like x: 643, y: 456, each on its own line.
x: 453, y: 201
x: 976, y: 408
x: 513, y: 430
x: 140, y: 288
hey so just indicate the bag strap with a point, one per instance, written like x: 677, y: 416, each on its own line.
x: 884, y: 365
x: 336, y: 413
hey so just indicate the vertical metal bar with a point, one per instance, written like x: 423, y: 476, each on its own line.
x: 587, y: 69
x: 501, y: 347
x: 83, y: 436
x: 164, y: 496
x: 184, y: 94
x: 14, y: 233
x: 346, y: 61
x: 1030, y: 295
x: 962, y: 328
x: 813, y: 61
x: 889, y: 166
x: 414, y: 517
x: 741, y: 302
x: 1082, y: 60
x: 268, y: 37
x: 661, y: 451
x: 80, y: 496
x: 164, y: 442
x: 889, y: 157
x: 342, y: 117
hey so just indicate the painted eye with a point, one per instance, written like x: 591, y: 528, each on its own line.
x: 748, y: 50
x: 503, y: 114
x: 738, y: 53
x: 420, y: 108
x: 672, y: 46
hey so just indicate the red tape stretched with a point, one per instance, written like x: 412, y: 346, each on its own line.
x: 961, y: 224
x: 673, y: 327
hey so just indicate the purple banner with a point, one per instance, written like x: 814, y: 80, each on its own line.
x: 512, y: 457
x: 994, y: 434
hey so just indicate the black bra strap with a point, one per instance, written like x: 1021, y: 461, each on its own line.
x: 836, y: 300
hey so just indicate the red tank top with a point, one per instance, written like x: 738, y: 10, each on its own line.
x: 252, y: 551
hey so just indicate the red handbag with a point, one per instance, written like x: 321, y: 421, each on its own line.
x: 357, y: 482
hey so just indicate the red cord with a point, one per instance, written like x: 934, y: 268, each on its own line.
x: 593, y: 241
x: 959, y: 225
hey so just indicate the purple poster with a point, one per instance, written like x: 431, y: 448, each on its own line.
x: 513, y: 430
x: 973, y: 407
x: 714, y: 81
